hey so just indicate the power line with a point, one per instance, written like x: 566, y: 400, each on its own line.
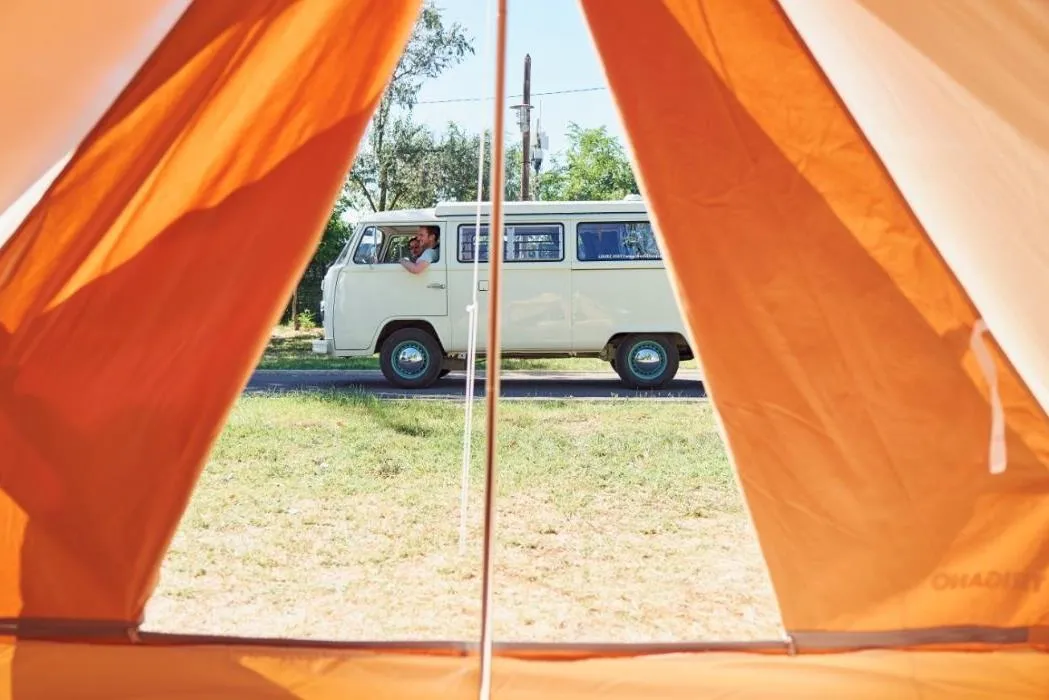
x: 488, y: 99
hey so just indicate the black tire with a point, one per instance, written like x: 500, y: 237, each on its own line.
x: 654, y: 369
x: 444, y: 373
x: 400, y: 370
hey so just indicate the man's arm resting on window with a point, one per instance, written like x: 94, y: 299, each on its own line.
x: 414, y: 267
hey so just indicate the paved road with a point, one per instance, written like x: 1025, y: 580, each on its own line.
x: 518, y: 384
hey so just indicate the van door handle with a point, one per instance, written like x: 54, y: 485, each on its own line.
x: 436, y: 285
x: 482, y: 285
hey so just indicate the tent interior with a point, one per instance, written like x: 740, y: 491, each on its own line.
x: 847, y: 194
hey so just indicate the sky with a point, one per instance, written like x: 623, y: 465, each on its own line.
x: 555, y: 34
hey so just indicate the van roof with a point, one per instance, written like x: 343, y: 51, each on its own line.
x: 448, y: 209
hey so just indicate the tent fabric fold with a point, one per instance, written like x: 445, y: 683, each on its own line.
x: 138, y: 293
x: 834, y: 338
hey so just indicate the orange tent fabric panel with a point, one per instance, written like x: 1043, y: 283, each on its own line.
x: 835, y: 342
x: 27, y: 671
x: 137, y: 296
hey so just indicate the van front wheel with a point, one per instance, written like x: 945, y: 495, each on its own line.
x: 646, y: 361
x: 410, y: 359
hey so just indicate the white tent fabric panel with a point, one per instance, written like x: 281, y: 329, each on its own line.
x: 62, y: 64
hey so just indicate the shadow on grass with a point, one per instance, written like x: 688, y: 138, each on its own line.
x: 295, y: 352
x: 386, y: 412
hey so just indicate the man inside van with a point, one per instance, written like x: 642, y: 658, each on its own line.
x: 428, y: 237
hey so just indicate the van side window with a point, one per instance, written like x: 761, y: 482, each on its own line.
x: 621, y: 240
x: 521, y: 243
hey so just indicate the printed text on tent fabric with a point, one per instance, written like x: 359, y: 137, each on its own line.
x: 1015, y: 580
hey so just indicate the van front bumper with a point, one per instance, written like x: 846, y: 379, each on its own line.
x: 323, y: 347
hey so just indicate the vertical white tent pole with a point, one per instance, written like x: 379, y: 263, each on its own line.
x: 495, y: 265
x: 471, y: 346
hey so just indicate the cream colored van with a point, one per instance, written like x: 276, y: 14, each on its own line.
x: 580, y: 279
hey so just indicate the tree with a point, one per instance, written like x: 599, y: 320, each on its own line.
x: 306, y: 298
x: 392, y: 169
x: 457, y: 164
x: 455, y: 167
x: 336, y: 233
x: 594, y: 167
x: 511, y: 170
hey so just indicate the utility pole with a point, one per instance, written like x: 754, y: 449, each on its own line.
x: 526, y: 121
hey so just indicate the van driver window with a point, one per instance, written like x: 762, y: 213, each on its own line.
x: 427, y: 239
x: 390, y: 245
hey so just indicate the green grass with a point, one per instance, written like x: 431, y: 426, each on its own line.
x: 290, y: 350
x: 336, y: 516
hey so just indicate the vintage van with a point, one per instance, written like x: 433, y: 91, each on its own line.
x: 580, y: 279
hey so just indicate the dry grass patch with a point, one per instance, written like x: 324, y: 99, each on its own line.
x: 335, y: 516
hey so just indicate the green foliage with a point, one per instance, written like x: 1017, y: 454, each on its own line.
x: 306, y: 320
x: 393, y: 169
x: 336, y: 232
x: 308, y: 292
x: 594, y: 167
x: 395, y: 166
x: 455, y: 167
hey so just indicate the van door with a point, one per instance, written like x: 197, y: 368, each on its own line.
x: 536, y: 292
x: 619, y: 284
x: 373, y: 289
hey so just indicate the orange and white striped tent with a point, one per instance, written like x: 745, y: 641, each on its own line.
x: 851, y: 195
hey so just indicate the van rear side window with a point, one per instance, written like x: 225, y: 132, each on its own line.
x: 521, y: 243
x: 616, y: 240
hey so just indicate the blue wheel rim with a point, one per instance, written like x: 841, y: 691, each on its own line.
x: 647, y: 359
x: 410, y: 360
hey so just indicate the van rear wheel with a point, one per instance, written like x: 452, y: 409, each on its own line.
x: 410, y: 358
x: 646, y: 361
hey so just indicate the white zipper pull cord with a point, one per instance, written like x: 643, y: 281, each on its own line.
x: 996, y: 452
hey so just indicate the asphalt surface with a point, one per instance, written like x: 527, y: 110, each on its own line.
x: 518, y: 384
